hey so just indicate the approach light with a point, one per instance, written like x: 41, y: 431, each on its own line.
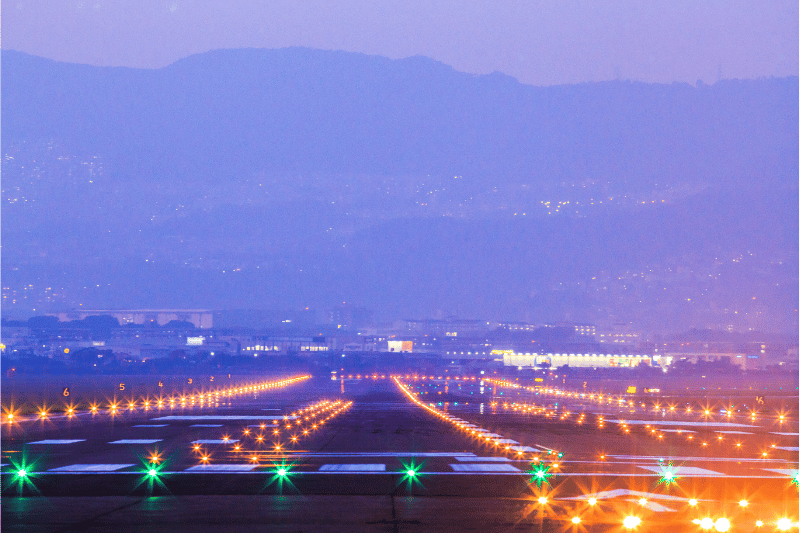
x: 592, y: 501
x: 576, y: 519
x: 282, y: 472
x: 152, y: 472
x: 22, y: 473
x: 743, y: 503
x: 410, y: 473
x: 692, y: 502
x: 706, y: 523
x: 759, y: 523
x: 542, y: 500
x: 784, y: 524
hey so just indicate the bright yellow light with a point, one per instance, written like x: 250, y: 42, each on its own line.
x: 722, y: 524
x: 692, y: 502
x: 542, y: 500
x: 592, y: 501
x: 743, y: 503
x: 576, y: 519
x: 784, y: 524
x: 643, y: 501
x: 631, y: 522
x: 706, y: 523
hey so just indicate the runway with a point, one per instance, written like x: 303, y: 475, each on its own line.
x: 481, y: 458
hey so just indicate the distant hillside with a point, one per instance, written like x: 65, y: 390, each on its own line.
x: 231, y: 113
x: 293, y: 178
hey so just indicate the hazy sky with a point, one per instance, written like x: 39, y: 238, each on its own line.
x: 542, y: 43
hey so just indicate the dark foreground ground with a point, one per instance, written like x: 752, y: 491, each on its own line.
x: 474, y: 464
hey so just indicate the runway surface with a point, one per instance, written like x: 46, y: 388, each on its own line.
x: 398, y: 455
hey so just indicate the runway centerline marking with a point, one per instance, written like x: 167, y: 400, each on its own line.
x: 136, y: 441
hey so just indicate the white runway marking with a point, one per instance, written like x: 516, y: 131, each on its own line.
x: 698, y: 459
x: 655, y: 507
x: 382, y: 454
x: 222, y: 417
x: 734, y: 432
x: 221, y: 468
x: 484, y: 468
x: 524, y: 449
x: 352, y: 468
x: 697, y: 424
x: 215, y: 441
x: 91, y: 468
x: 58, y: 441
x: 490, y: 435
x: 485, y: 459
x: 785, y: 471
x: 206, y: 425
x: 787, y: 434
x: 616, y: 493
x: 136, y: 441
x: 506, y: 441
x: 788, y: 448
x: 682, y: 470
x: 151, y: 426
x: 677, y: 431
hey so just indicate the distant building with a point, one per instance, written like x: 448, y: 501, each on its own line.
x: 450, y: 327
x: 618, y: 334
x: 200, y: 318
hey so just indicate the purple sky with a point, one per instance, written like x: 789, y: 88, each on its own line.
x: 542, y: 43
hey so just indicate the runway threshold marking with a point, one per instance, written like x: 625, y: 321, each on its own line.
x: 136, y: 441
x: 206, y: 426
x: 381, y: 454
x: 485, y: 459
x: 221, y: 468
x: 679, y: 423
x: 224, y: 417
x: 484, y: 468
x: 58, y: 441
x: 91, y: 467
x: 682, y: 470
x: 150, y: 425
x: 698, y: 459
x: 785, y: 471
x: 353, y: 468
x: 215, y: 441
